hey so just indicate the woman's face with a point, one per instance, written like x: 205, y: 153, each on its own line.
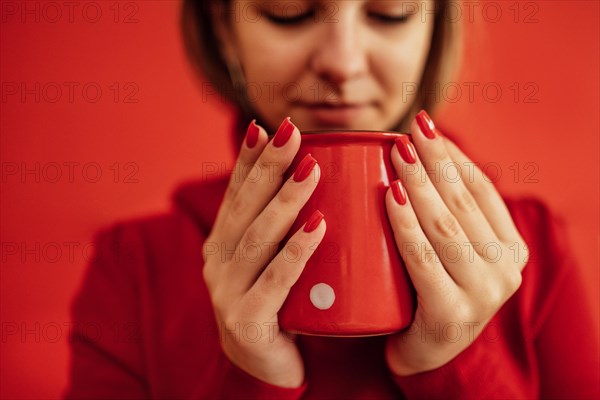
x: 330, y: 64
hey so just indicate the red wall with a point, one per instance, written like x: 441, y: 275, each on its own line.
x: 121, y: 157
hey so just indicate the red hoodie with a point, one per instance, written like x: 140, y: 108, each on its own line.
x: 147, y: 330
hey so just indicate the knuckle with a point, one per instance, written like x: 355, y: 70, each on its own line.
x: 447, y: 225
x: 269, y: 169
x: 251, y: 173
x: 238, y: 205
x: 253, y: 301
x: 484, y: 189
x: 286, y: 196
x: 272, y: 278
x: 252, y: 236
x: 230, y: 323
x: 407, y: 223
x: 420, y: 254
x: 429, y: 258
x: 217, y: 298
x: 464, y: 312
x: 292, y: 252
x: 494, y: 296
x: 271, y: 214
x: 513, y: 281
x: 284, y: 208
x: 464, y: 201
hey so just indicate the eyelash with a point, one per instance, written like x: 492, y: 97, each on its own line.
x: 390, y: 19
x: 295, y: 20
x: 300, y: 18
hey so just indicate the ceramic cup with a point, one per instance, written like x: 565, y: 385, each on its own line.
x: 355, y: 283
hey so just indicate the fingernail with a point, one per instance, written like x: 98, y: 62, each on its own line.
x: 406, y: 149
x: 252, y: 134
x: 426, y: 124
x: 399, y: 192
x: 303, y: 170
x: 314, y: 221
x: 284, y: 132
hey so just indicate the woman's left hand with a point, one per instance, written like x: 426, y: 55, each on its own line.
x: 459, y: 243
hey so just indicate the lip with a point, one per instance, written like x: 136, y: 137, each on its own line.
x: 335, y: 113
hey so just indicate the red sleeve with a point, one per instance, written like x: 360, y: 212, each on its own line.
x: 241, y: 385
x: 484, y: 370
x: 108, y: 346
x: 566, y: 334
x: 543, y: 342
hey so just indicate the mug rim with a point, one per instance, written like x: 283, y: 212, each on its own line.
x: 322, y: 131
x: 341, y: 134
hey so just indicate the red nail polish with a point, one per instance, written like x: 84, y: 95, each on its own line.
x: 284, y: 132
x: 313, y: 221
x: 303, y: 170
x: 406, y: 149
x: 252, y: 134
x: 399, y: 192
x: 426, y: 124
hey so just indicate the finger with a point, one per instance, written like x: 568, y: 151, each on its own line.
x: 259, y: 243
x: 272, y: 287
x: 428, y: 275
x: 445, y: 174
x: 254, y: 143
x: 486, y: 195
x: 440, y: 226
x: 260, y: 187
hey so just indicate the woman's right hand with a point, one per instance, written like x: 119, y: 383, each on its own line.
x: 248, y: 280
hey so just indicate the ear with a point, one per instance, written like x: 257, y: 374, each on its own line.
x: 224, y: 30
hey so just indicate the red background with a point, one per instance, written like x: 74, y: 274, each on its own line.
x: 166, y: 135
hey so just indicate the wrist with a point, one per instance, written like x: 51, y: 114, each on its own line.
x: 277, y: 372
x: 403, y: 364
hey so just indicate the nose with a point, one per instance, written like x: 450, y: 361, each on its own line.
x: 340, y: 54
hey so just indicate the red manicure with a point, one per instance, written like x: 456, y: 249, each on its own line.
x: 399, y: 192
x: 303, y: 170
x: 426, y: 124
x: 313, y: 221
x: 406, y: 149
x: 252, y: 134
x: 284, y: 132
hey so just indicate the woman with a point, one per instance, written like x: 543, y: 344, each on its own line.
x: 171, y: 321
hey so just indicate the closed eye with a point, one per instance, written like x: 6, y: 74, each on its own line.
x: 390, y: 19
x: 290, y: 20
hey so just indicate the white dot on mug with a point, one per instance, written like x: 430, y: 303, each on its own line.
x: 322, y: 296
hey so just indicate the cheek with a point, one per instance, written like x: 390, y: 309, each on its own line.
x: 401, y: 62
x: 268, y: 58
x: 272, y: 62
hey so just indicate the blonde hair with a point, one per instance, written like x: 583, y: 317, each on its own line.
x: 202, y: 47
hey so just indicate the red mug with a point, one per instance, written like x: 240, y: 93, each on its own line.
x: 355, y: 283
